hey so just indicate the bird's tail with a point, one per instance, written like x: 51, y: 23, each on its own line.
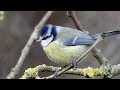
x: 107, y: 33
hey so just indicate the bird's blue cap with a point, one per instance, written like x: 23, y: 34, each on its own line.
x: 44, y: 30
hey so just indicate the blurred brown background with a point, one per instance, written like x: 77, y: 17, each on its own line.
x: 17, y: 27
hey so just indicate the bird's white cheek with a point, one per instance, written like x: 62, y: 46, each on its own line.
x: 44, y: 43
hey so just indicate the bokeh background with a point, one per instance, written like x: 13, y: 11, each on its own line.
x: 17, y: 26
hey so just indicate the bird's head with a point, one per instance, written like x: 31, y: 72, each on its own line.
x: 47, y: 34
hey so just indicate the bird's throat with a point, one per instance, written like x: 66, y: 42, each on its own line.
x: 46, y: 42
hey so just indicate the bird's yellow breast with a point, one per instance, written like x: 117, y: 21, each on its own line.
x: 64, y: 54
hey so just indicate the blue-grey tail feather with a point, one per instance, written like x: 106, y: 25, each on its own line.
x: 107, y: 33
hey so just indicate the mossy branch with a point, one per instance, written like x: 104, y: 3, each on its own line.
x: 105, y: 70
x: 33, y: 72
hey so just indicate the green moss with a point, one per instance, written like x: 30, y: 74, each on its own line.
x: 91, y: 72
x: 30, y: 73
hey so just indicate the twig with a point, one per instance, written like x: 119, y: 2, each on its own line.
x: 100, y: 38
x: 96, y: 52
x: 98, y: 55
x: 77, y: 23
x: 27, y: 47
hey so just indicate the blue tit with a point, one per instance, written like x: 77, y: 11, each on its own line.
x: 63, y: 45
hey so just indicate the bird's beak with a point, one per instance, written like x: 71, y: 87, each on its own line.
x: 39, y: 39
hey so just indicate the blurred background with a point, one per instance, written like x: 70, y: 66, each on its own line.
x: 17, y: 26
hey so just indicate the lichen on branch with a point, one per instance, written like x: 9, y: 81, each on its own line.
x: 89, y: 72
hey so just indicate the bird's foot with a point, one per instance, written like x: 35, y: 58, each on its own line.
x: 55, y: 73
x: 57, y: 70
x: 75, y: 66
x: 74, y: 63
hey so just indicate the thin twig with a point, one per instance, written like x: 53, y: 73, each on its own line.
x: 77, y: 23
x: 99, y: 56
x: 27, y: 47
x: 96, y: 52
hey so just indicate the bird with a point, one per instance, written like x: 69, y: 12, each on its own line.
x: 64, y: 45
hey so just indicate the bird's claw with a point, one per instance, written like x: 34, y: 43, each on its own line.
x: 55, y: 74
x: 75, y: 65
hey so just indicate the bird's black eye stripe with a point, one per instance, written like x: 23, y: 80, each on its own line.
x: 45, y: 37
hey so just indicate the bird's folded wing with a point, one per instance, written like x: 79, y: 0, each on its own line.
x: 79, y: 40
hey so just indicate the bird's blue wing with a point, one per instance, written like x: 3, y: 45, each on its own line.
x: 79, y: 39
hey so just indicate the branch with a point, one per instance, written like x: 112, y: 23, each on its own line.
x: 105, y: 70
x: 77, y: 23
x: 110, y: 71
x: 27, y: 47
x: 33, y: 72
x: 96, y: 52
x: 98, y: 55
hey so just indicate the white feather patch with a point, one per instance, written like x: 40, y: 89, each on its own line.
x: 75, y: 39
x: 44, y: 43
